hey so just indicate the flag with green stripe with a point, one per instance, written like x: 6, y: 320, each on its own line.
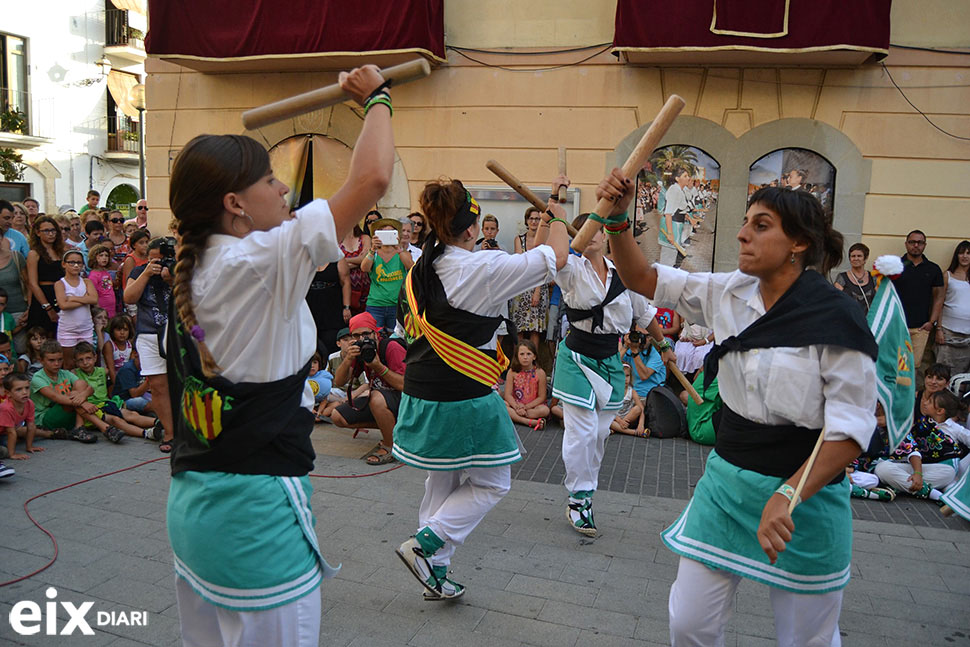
x: 895, y: 369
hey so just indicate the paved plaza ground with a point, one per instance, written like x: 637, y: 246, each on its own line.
x: 531, y: 580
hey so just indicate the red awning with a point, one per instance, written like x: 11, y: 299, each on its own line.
x: 751, y: 32
x: 297, y: 35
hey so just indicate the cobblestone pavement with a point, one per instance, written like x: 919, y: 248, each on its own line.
x: 531, y: 580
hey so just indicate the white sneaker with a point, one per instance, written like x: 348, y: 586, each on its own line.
x: 417, y: 562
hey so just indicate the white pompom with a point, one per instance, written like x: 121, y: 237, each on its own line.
x: 889, y: 265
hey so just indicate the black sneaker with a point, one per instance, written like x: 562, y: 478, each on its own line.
x: 6, y: 471
x: 114, y: 434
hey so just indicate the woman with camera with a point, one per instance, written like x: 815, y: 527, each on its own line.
x: 795, y: 360
x: 386, y: 264
x: 242, y: 441
x: 150, y: 287
x: 451, y: 422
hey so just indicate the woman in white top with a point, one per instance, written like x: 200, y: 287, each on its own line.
x: 674, y: 218
x: 796, y: 359
x: 243, y: 331
x: 589, y: 379
x: 953, y: 335
x: 451, y: 422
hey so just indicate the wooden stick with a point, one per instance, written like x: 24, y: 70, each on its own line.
x: 670, y: 237
x: 327, y: 96
x: 808, y: 468
x: 633, y: 164
x: 672, y: 367
x: 946, y: 511
x: 521, y: 189
x: 562, y: 171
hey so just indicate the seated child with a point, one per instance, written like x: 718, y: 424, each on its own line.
x: 320, y: 381
x: 17, y: 417
x: 29, y: 362
x: 60, y: 400
x: 630, y: 412
x: 863, y: 480
x: 932, y: 454
x: 131, y: 387
x: 525, y: 388
x: 130, y: 422
x: 117, y: 348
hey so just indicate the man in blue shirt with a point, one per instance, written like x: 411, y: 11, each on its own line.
x: 18, y: 242
x: 648, y: 367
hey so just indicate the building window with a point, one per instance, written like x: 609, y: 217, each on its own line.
x: 15, y: 99
x: 693, y: 225
x: 14, y: 191
x: 795, y: 168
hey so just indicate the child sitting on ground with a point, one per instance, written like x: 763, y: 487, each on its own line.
x: 131, y: 387
x: 860, y: 471
x: 7, y: 325
x: 17, y: 417
x: 525, y: 388
x: 130, y: 422
x: 117, y: 349
x: 60, y: 400
x: 320, y: 381
x: 29, y: 363
x: 630, y: 412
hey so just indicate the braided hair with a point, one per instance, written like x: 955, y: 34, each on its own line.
x: 209, y: 167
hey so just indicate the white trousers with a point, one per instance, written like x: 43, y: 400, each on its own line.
x: 702, y: 602
x: 452, y: 507
x: 583, y: 445
x: 668, y: 256
x: 296, y: 624
x: 866, y: 480
x: 896, y: 475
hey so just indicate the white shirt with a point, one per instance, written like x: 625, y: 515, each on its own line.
x: 415, y: 252
x: 676, y: 199
x: 956, y: 306
x: 249, y: 296
x: 810, y: 386
x: 483, y: 283
x: 583, y: 290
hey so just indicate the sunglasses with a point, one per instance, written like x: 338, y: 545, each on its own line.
x: 116, y: 220
x: 417, y: 224
x: 142, y: 208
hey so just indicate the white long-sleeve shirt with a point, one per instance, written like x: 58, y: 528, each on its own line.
x: 809, y: 386
x: 583, y: 290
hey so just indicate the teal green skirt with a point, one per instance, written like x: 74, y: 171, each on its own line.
x: 588, y: 383
x: 957, y: 496
x: 720, y: 524
x: 455, y: 435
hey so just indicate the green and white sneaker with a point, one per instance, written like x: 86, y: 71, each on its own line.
x: 444, y: 588
x: 580, y: 515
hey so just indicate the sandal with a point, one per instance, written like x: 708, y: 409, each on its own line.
x: 377, y: 458
x: 166, y: 446
x: 82, y: 435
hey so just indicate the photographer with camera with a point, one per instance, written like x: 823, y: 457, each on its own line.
x: 150, y: 286
x: 387, y: 264
x: 382, y: 360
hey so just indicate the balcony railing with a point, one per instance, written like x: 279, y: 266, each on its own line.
x: 123, y: 134
x: 14, y: 111
x: 117, y: 31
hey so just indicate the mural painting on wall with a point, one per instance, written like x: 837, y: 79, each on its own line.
x: 676, y: 207
x: 795, y: 168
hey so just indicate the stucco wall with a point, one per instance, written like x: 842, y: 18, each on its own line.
x: 466, y: 113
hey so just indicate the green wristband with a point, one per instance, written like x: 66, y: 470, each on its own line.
x: 552, y: 220
x: 612, y: 220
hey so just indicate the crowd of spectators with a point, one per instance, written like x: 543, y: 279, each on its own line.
x: 79, y: 297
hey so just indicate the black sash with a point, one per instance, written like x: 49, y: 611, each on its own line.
x: 596, y: 313
x: 678, y: 216
x: 428, y: 376
x: 772, y: 450
x: 240, y: 428
x: 811, y: 312
x: 599, y: 346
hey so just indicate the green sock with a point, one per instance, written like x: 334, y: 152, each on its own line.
x: 430, y: 542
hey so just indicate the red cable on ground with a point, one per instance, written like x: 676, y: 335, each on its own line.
x: 125, y: 469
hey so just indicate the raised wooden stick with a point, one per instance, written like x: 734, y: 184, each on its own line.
x: 633, y: 164
x: 521, y: 189
x: 562, y: 171
x: 808, y: 469
x: 327, y: 96
x: 672, y: 367
x: 670, y: 237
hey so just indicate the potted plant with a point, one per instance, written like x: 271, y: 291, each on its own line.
x: 13, y: 121
x: 11, y: 165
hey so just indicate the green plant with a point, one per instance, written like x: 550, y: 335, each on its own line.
x: 131, y: 135
x: 13, y: 121
x: 11, y: 165
x: 136, y: 33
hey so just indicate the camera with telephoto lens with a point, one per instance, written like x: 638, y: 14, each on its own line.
x: 491, y: 243
x: 167, y: 248
x: 368, y: 349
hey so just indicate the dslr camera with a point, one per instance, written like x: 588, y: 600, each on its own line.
x: 167, y: 248
x: 368, y: 349
x: 491, y: 243
x: 636, y: 337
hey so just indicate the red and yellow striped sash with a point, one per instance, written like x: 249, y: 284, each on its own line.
x: 460, y: 356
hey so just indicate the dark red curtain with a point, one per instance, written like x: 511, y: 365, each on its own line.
x: 236, y: 29
x: 812, y: 24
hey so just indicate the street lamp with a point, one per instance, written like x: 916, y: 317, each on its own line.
x: 137, y: 97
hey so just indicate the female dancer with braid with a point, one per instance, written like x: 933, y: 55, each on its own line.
x: 246, y: 557
x: 796, y: 360
x: 451, y: 422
